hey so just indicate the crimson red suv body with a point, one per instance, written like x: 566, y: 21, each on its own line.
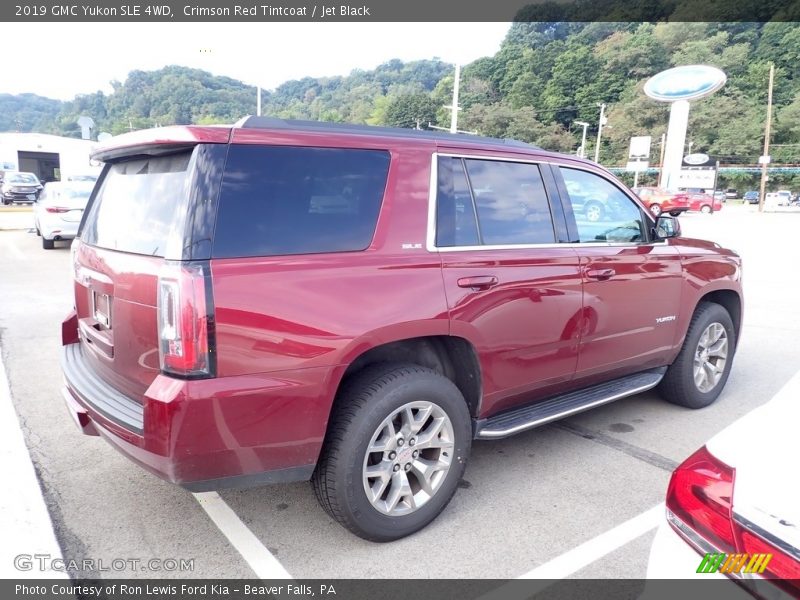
x: 277, y: 301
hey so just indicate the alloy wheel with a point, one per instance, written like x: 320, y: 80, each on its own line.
x: 408, y: 458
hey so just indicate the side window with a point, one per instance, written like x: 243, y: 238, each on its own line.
x: 490, y: 202
x: 279, y: 200
x: 455, y: 215
x: 511, y: 202
x: 602, y: 211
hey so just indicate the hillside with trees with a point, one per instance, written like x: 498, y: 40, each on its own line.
x: 544, y: 77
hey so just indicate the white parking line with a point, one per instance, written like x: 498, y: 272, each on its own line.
x: 261, y: 560
x: 26, y: 525
x: 576, y: 559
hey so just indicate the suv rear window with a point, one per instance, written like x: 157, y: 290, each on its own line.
x: 278, y: 200
x: 138, y: 204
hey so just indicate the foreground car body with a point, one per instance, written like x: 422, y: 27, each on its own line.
x: 735, y: 496
x: 279, y: 301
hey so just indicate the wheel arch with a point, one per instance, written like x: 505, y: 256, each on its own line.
x: 452, y: 356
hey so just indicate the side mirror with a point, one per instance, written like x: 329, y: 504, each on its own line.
x: 667, y: 227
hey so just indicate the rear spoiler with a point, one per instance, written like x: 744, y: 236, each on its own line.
x: 161, y: 140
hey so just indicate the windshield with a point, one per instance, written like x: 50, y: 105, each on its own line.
x: 22, y: 178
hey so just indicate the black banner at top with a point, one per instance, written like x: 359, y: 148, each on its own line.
x: 547, y: 11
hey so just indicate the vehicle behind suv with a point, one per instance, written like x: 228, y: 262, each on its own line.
x: 19, y: 186
x: 659, y: 201
x: 751, y: 197
x: 279, y: 301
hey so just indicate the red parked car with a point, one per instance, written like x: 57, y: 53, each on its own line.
x: 279, y: 301
x: 701, y: 202
x: 658, y: 200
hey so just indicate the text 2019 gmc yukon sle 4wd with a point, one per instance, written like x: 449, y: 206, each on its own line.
x: 278, y: 301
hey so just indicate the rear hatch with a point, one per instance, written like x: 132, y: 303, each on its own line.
x: 135, y: 227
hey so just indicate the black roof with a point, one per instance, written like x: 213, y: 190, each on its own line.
x: 252, y: 122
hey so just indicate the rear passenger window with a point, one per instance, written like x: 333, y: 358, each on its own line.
x: 489, y: 202
x: 279, y: 200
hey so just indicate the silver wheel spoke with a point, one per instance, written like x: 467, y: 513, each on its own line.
x: 382, y: 473
x: 401, y: 490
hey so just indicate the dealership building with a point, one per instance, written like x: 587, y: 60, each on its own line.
x: 50, y: 157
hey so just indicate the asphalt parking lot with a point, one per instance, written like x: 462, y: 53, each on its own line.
x: 524, y: 503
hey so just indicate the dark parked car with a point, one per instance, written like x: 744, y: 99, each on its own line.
x: 20, y: 187
x: 279, y: 301
x: 751, y: 197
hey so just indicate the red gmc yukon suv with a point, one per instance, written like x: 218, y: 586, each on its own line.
x: 278, y: 301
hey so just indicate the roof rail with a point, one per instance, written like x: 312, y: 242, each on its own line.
x: 252, y: 122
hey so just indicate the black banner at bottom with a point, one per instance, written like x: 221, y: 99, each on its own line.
x: 373, y: 589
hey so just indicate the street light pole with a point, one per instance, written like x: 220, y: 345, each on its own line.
x: 600, y: 132
x: 582, y: 151
x: 764, y: 159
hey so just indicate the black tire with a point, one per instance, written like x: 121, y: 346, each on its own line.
x: 361, y: 406
x: 678, y: 385
x: 675, y: 213
x: 705, y: 209
x: 48, y: 244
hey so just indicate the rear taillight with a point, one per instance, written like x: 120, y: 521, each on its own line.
x: 185, y: 320
x: 56, y: 209
x: 700, y: 507
x: 700, y: 495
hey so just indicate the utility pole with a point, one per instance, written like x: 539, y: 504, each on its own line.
x: 764, y: 158
x: 600, y: 132
x: 661, y: 158
x: 454, y: 108
x: 582, y: 151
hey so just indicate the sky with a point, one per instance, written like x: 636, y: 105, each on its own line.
x: 81, y: 58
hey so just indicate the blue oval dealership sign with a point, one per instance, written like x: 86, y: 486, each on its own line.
x: 684, y: 83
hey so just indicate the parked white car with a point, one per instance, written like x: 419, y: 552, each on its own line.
x: 59, y: 210
x: 733, y: 507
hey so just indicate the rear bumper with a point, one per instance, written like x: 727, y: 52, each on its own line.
x: 51, y: 228
x: 205, y: 434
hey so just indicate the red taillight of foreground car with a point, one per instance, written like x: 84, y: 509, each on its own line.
x: 700, y: 494
x: 56, y: 209
x: 700, y: 507
x: 781, y: 566
x: 185, y: 320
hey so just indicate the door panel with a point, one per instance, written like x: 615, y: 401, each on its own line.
x: 526, y: 328
x: 511, y: 289
x: 632, y: 284
x: 630, y: 316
